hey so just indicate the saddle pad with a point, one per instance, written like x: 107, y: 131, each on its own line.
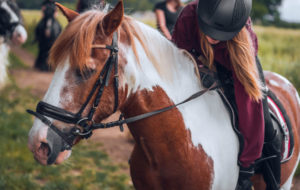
x: 287, y: 144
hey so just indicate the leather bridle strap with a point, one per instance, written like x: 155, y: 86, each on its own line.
x: 150, y: 114
x: 67, y: 137
x: 104, y: 77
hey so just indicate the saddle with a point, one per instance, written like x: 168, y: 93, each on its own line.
x: 281, y: 122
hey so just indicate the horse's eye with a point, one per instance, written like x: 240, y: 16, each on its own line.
x: 85, y: 74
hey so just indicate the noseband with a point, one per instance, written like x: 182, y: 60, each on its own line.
x: 83, y: 126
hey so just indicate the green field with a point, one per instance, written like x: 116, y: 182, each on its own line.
x: 278, y: 48
x: 279, y: 52
x: 89, y: 168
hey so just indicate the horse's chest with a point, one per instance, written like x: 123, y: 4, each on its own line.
x: 186, y: 169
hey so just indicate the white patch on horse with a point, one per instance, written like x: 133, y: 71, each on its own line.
x: 274, y: 83
x: 206, y: 117
x: 52, y: 97
x: 13, y: 16
x: 20, y: 30
x: 4, y: 49
x: 286, y: 81
x: 298, y: 98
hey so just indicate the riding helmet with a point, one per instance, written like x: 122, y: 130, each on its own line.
x: 223, y: 19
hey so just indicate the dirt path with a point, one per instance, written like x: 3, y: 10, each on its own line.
x: 116, y: 144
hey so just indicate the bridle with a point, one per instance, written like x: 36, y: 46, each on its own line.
x: 84, y: 125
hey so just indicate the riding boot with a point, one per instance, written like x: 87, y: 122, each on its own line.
x: 272, y: 169
x: 244, y: 182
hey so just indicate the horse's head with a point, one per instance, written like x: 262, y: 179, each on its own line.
x: 49, y: 10
x: 86, y: 60
x: 11, y: 24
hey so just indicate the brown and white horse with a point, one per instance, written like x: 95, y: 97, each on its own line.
x: 189, y: 147
x: 12, y: 31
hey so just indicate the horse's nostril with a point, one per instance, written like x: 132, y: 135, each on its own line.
x: 45, y: 148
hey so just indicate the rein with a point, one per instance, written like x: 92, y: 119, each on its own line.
x: 84, y: 126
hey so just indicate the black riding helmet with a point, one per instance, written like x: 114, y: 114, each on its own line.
x: 223, y: 19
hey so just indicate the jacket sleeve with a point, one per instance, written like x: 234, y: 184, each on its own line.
x: 180, y: 36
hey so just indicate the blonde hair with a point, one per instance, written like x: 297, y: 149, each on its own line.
x: 242, y: 59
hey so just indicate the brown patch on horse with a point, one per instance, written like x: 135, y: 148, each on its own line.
x: 70, y: 14
x: 286, y: 93
x: 164, y: 156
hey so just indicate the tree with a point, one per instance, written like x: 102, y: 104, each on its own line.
x: 262, y: 8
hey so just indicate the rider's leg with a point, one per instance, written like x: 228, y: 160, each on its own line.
x: 250, y: 124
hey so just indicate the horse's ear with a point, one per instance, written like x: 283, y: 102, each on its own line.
x: 113, y: 19
x: 70, y: 14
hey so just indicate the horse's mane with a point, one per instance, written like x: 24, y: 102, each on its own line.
x: 77, y: 39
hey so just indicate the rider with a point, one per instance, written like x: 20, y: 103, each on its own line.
x: 219, y: 35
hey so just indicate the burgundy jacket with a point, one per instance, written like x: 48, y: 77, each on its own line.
x: 251, y: 121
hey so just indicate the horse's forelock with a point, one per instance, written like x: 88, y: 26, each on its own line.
x: 76, y: 40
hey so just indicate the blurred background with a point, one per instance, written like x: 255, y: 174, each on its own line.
x: 102, y: 161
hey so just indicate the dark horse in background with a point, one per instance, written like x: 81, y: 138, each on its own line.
x: 12, y: 32
x: 46, y: 32
x: 83, y: 5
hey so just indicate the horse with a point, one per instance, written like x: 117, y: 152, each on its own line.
x: 11, y: 31
x: 83, y: 5
x: 46, y: 32
x: 111, y: 62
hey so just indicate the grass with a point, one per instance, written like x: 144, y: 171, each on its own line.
x: 279, y: 52
x: 15, y: 62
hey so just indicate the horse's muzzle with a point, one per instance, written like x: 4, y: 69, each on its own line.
x: 56, y: 145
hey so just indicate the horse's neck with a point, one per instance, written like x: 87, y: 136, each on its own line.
x: 203, y: 122
x: 171, y: 69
